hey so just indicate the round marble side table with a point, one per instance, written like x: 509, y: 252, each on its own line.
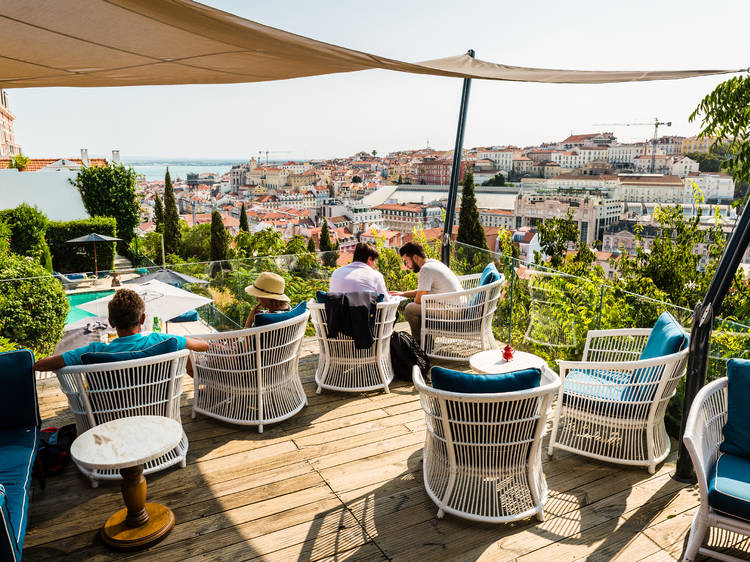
x: 127, y: 444
x: 492, y: 362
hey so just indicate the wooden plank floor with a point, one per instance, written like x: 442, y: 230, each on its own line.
x: 342, y: 480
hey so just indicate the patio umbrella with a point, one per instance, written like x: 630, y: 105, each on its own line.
x: 162, y: 300
x: 93, y: 238
x: 168, y: 276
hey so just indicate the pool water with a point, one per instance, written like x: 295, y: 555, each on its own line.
x: 75, y: 314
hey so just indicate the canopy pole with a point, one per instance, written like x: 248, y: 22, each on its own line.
x: 700, y: 335
x: 445, y: 251
x: 96, y: 267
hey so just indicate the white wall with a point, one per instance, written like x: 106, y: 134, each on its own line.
x: 50, y: 191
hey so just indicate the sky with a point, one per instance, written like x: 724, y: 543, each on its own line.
x: 339, y: 115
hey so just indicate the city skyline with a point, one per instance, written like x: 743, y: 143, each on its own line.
x: 339, y: 115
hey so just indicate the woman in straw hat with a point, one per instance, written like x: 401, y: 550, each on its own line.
x: 269, y: 290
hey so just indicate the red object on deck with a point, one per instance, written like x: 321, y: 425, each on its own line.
x: 508, y: 352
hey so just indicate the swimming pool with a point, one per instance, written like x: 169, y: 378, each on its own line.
x: 75, y: 314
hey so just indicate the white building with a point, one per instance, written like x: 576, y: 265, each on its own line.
x: 503, y: 159
x: 624, y: 154
x: 714, y: 186
x: 500, y: 218
x: 651, y: 188
x: 683, y: 166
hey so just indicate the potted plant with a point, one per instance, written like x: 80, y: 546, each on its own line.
x: 19, y: 161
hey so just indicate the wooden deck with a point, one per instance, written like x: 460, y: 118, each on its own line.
x: 342, y: 480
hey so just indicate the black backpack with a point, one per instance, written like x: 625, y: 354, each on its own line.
x: 405, y: 353
x: 54, y: 448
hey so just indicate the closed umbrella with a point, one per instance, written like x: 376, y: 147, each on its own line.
x: 162, y: 300
x: 168, y: 276
x: 93, y: 238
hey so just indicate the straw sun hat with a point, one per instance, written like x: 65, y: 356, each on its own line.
x: 269, y: 286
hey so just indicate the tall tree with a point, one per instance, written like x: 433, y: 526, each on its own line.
x: 109, y: 191
x: 171, y: 231
x: 243, y: 219
x: 331, y: 256
x: 470, y: 230
x: 219, y: 238
x: 311, y: 245
x: 556, y: 235
x: 158, y: 214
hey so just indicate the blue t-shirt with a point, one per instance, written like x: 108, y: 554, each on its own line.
x: 126, y: 343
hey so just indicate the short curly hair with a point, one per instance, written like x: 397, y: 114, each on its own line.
x: 126, y: 309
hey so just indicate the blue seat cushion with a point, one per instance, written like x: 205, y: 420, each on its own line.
x: 189, y: 316
x: 18, y: 448
x: 490, y: 274
x: 737, y: 427
x: 95, y: 357
x: 18, y: 403
x: 468, y: 383
x: 729, y: 486
x: 666, y: 337
x: 600, y: 391
x: 266, y: 319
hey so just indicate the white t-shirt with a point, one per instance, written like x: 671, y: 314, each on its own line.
x: 435, y: 277
x: 355, y: 277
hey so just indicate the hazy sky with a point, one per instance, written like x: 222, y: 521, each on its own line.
x: 338, y: 115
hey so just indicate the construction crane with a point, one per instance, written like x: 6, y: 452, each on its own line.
x: 655, y: 124
x: 260, y: 154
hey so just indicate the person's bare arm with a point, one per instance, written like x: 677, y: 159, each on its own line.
x: 194, y: 344
x: 251, y: 316
x: 51, y: 363
x: 406, y: 294
x: 418, y: 296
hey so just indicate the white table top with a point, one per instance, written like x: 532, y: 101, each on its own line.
x: 492, y: 362
x: 126, y: 442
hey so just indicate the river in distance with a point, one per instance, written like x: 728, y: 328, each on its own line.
x: 157, y: 171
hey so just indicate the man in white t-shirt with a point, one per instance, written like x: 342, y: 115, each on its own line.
x: 360, y: 274
x: 434, y: 277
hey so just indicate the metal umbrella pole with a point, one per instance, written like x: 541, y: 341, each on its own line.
x: 445, y: 251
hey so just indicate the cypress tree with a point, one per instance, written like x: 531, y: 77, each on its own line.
x: 171, y: 229
x: 330, y: 258
x: 219, y: 238
x: 158, y: 214
x: 311, y: 245
x: 243, y: 219
x: 470, y: 230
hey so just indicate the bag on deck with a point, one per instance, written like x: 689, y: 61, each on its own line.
x: 405, y: 353
x: 54, y: 448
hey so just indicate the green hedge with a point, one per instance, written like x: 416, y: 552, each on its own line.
x: 67, y: 258
x: 28, y: 225
x: 33, y: 306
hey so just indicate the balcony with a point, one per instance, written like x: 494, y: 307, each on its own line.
x: 343, y: 478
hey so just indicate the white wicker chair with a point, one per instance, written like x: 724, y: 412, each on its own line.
x: 603, y: 414
x: 703, y: 435
x: 344, y: 368
x: 108, y: 391
x: 251, y: 376
x: 482, y: 455
x: 455, y: 326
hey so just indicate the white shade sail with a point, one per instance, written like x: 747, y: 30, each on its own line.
x: 140, y: 42
x: 162, y: 300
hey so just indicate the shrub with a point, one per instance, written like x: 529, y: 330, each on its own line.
x: 32, y: 305
x: 68, y: 258
x: 28, y: 225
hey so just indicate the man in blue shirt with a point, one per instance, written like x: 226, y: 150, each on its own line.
x: 127, y: 313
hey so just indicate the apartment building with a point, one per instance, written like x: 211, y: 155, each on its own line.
x: 621, y: 155
x: 405, y: 217
x: 591, y: 213
x: 499, y: 218
x: 635, y: 188
x: 715, y: 187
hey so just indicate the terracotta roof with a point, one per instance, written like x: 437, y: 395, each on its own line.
x: 579, y: 138
x: 35, y: 164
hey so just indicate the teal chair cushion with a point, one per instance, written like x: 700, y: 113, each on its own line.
x: 266, y: 319
x: 737, y: 428
x: 490, y: 274
x: 667, y: 337
x: 189, y: 316
x: 729, y: 486
x: 468, y: 383
x: 18, y: 401
x: 18, y: 447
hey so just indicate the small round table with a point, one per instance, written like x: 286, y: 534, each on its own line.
x: 492, y: 362
x: 127, y: 444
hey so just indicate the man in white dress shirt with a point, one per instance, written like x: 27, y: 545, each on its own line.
x: 360, y: 274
